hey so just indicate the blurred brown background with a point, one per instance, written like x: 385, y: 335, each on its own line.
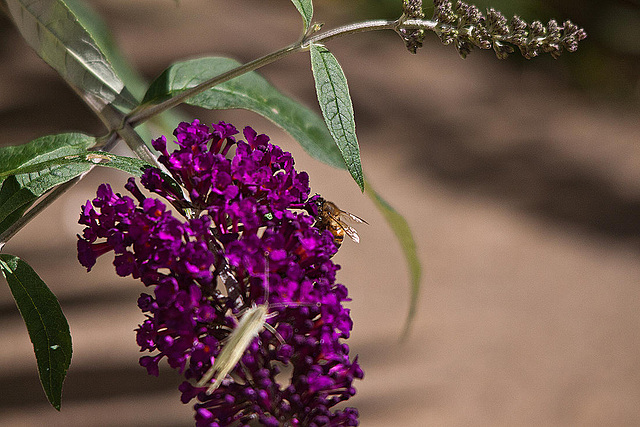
x: 520, y: 179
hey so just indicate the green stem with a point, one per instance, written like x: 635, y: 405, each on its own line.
x: 419, y: 24
x: 358, y: 27
x: 137, y: 145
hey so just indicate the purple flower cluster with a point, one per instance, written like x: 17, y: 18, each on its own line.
x: 245, y: 240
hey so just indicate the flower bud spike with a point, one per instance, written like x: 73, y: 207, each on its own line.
x: 467, y: 28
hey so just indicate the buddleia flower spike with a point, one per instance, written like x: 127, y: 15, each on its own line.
x: 467, y: 28
x: 216, y: 307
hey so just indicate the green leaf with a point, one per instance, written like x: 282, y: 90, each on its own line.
x: 38, y: 178
x: 35, y: 184
x: 94, y: 25
x: 401, y: 229
x: 52, y: 29
x: 252, y: 92
x: 35, y: 179
x: 134, y: 82
x: 10, y: 187
x: 42, y: 149
x: 305, y: 7
x: 48, y: 328
x: 19, y: 192
x: 337, y: 109
x: 130, y: 165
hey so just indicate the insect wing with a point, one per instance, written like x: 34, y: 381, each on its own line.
x: 240, y: 338
x: 353, y: 217
x: 351, y: 232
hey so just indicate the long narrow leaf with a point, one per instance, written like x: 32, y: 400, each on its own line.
x: 52, y: 29
x: 42, y: 149
x: 35, y: 179
x: 84, y: 159
x: 34, y: 185
x: 19, y: 192
x: 100, y: 33
x: 337, y: 109
x: 401, y: 229
x: 15, y: 205
x: 251, y: 92
x: 305, y: 7
x: 134, y: 82
x: 46, y: 162
x: 48, y: 328
x: 12, y: 207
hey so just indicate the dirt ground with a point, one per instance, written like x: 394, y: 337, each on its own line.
x: 523, y: 194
